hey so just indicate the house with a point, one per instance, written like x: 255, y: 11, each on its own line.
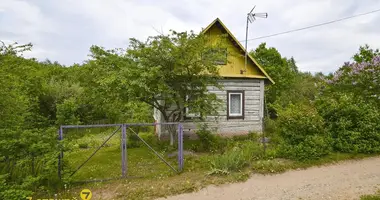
x: 243, y: 93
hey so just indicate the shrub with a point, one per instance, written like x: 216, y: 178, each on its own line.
x: 313, y: 147
x: 353, y: 124
x: 208, y: 140
x: 234, y: 159
x: 12, y: 191
x: 303, y: 134
x: 269, y: 125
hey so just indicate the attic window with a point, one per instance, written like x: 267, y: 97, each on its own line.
x: 219, y: 55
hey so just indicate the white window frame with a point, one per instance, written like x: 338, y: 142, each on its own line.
x: 241, y: 104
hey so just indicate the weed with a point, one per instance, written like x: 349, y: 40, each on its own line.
x: 234, y: 160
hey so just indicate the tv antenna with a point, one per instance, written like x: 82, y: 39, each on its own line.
x: 251, y: 17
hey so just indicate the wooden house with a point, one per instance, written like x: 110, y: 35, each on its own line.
x: 242, y: 110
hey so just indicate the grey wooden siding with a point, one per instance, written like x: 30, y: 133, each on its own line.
x: 253, y: 96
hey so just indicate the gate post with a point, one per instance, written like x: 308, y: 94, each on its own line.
x: 123, y: 150
x: 180, y: 147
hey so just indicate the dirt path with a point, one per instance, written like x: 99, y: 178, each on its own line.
x: 347, y: 180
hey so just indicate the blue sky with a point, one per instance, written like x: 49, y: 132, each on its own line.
x: 64, y: 30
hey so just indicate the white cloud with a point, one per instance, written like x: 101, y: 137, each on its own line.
x: 64, y: 30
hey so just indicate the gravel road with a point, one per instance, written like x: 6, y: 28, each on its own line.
x: 346, y: 180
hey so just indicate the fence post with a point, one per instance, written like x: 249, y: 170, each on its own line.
x: 124, y: 150
x: 180, y: 147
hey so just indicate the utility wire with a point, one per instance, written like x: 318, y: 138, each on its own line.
x: 313, y: 26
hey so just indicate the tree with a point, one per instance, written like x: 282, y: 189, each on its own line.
x: 365, y: 54
x: 350, y: 103
x: 360, y: 78
x: 166, y: 71
x: 171, y: 72
x: 283, y: 71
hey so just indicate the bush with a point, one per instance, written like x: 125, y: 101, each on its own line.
x: 12, y: 191
x: 234, y: 159
x: 312, y: 148
x: 208, y: 140
x: 303, y: 134
x: 269, y: 125
x: 353, y: 124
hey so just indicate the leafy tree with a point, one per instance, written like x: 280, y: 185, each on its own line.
x: 167, y: 72
x: 350, y: 103
x: 173, y: 71
x: 283, y: 70
x: 358, y: 78
x: 365, y: 54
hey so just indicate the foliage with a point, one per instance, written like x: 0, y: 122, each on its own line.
x: 164, y: 71
x: 235, y: 159
x: 354, y: 125
x: 303, y: 133
x: 366, y: 54
x: 350, y: 104
x: 209, y: 142
x: 282, y: 70
x: 12, y: 191
x: 360, y: 79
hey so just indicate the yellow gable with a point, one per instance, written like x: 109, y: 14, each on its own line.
x: 235, y: 65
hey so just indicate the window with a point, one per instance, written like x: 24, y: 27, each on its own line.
x: 235, y: 104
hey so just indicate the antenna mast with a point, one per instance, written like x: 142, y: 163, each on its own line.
x: 251, y: 17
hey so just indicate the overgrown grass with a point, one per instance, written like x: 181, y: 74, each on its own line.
x: 239, y: 157
x: 106, y: 163
x: 371, y: 197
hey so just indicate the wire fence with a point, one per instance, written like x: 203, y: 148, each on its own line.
x: 102, y: 152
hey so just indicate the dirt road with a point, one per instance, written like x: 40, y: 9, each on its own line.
x: 346, y: 180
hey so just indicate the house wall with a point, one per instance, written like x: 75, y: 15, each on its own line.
x: 236, y: 56
x: 253, y: 109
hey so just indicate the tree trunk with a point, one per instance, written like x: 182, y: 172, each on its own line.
x: 171, y: 138
x: 172, y: 133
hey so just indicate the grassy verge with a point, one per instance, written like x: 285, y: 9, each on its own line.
x: 240, y: 158
x: 195, y: 177
x: 371, y: 197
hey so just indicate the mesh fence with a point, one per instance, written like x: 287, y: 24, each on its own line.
x: 95, y: 152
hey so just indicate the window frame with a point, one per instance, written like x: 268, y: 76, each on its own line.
x: 242, y: 101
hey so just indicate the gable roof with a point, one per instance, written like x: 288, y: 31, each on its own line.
x: 240, y: 46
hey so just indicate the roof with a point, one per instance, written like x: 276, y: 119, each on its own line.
x: 217, y: 20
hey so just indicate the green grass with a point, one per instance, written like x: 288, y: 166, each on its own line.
x: 371, y: 197
x: 240, y: 159
x: 106, y: 163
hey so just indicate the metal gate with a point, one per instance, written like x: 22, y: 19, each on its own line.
x: 123, y: 146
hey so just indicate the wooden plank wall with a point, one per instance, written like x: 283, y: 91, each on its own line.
x: 253, y: 112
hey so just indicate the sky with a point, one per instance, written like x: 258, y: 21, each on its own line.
x: 64, y: 30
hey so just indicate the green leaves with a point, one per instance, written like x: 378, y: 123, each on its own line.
x: 170, y: 68
x: 283, y: 71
